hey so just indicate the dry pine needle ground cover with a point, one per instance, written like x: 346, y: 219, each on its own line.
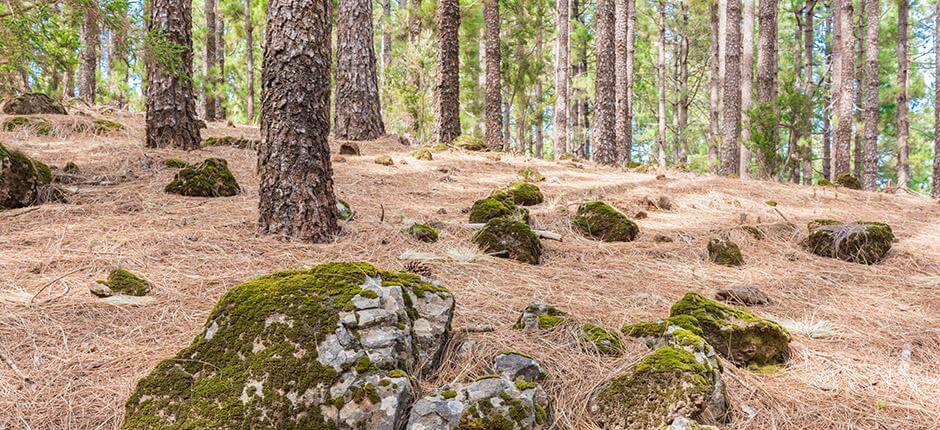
x: 866, y: 340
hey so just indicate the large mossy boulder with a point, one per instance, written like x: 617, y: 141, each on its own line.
x: 862, y: 242
x: 724, y: 252
x: 738, y: 335
x: 602, y: 221
x: 668, y: 383
x: 323, y: 348
x: 509, y: 238
x: 32, y: 104
x: 522, y: 193
x: 22, y: 179
x: 496, y: 206
x: 210, y: 178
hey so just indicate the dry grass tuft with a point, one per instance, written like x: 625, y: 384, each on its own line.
x: 866, y: 338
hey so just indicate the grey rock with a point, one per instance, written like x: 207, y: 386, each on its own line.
x: 743, y: 295
x: 517, y: 367
x: 540, y: 315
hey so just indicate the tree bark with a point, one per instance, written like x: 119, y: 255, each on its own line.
x: 767, y: 52
x: 562, y: 68
x: 714, y: 84
x: 661, y: 84
x: 220, y: 60
x: 936, y: 112
x: 828, y: 84
x: 870, y: 143
x: 621, y: 17
x: 844, y: 91
x: 89, y: 54
x: 119, y: 65
x: 858, y: 128
x: 540, y: 109
x: 493, y: 98
x: 904, y: 168
x: 386, y: 35
x: 731, y: 96
x: 250, y: 56
x: 296, y: 190
x: 448, y: 90
x: 605, y: 85
x: 747, y: 80
x: 809, y: 42
x: 211, y: 61
x: 682, y: 104
x: 628, y: 65
x: 171, y: 107
x: 358, y: 109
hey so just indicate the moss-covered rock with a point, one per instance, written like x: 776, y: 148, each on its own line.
x: 23, y: 181
x: 423, y: 232
x: 32, y: 104
x: 862, y: 242
x: 657, y: 329
x: 235, y: 142
x: 349, y: 148
x: 384, y: 160
x: 666, y: 384
x: 508, y: 238
x: 602, y: 340
x: 423, y: 154
x: 724, y: 252
x: 321, y: 348
x: 210, y: 178
x: 345, y: 210
x: 540, y: 316
x: 175, y: 163
x: 602, y: 221
x: 71, y: 168
x: 740, y: 336
x: 35, y: 124
x: 823, y: 182
x: 849, y: 181
x: 529, y: 174
x: 121, y: 281
x: 524, y: 193
x: 104, y: 126
x: 469, y: 143
x: 496, y: 206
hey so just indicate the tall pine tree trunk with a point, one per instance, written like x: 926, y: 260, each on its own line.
x: 211, y: 62
x: 386, y: 36
x: 904, y: 167
x: 540, y: 109
x: 731, y: 95
x: 809, y: 41
x: 622, y: 24
x: 89, y: 54
x: 661, y: 84
x: 828, y: 85
x: 936, y: 112
x: 631, y: 50
x: 448, y: 90
x: 844, y: 90
x: 119, y: 65
x: 859, y: 89
x: 220, y: 61
x: 250, y: 57
x: 714, y: 86
x: 747, y: 81
x: 870, y: 139
x: 766, y: 88
x: 682, y: 105
x: 605, y: 95
x: 171, y: 107
x: 297, y: 200
x: 358, y: 109
x: 493, y: 98
x: 562, y: 69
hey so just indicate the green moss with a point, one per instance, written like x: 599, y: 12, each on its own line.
x: 71, y: 168
x: 529, y: 174
x: 423, y: 154
x: 738, y: 335
x: 423, y: 232
x: 665, y: 382
x: 487, y: 376
x: 449, y: 394
x: 522, y: 385
x: 175, y: 163
x: 771, y: 203
x: 724, y: 252
x: 849, y: 181
x: 546, y: 318
x: 823, y: 182
x: 524, y: 193
x: 605, y: 341
x: 21, y: 179
x: 541, y: 416
x: 364, y: 364
x: 203, y: 385
x: 495, y: 206
x: 121, y: 281
x: 345, y: 210
x: 658, y: 328
x: 469, y: 143
x: 235, y: 142
x: 384, y: 160
x: 550, y: 321
x: 103, y: 126
x: 508, y: 238
x: 211, y: 178
x: 602, y: 221
x: 863, y: 242
x: 755, y: 232
x: 439, y: 147
x: 397, y: 373
x: 35, y: 124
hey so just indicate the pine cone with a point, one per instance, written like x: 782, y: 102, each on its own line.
x: 420, y: 268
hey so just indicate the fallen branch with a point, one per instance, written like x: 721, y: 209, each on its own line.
x: 32, y: 300
x: 23, y: 212
x: 540, y: 233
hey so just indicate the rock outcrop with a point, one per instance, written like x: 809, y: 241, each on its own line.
x: 210, y: 178
x: 724, y: 252
x: 326, y: 347
x: 602, y: 221
x: 22, y: 179
x: 540, y: 316
x: 32, y: 104
x: 861, y: 242
x: 508, y: 238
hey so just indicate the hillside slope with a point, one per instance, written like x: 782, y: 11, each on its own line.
x: 850, y: 322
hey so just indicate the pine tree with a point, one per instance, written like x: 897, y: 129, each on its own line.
x: 870, y: 138
x: 358, y: 109
x: 493, y: 97
x: 250, y: 59
x: 747, y: 80
x: 171, y: 107
x: 211, y: 45
x: 448, y: 89
x: 89, y: 54
x: 731, y: 94
x: 296, y: 188
x: 844, y: 93
x: 562, y: 67
x: 903, y: 127
x: 936, y: 112
x: 714, y: 84
x: 622, y: 18
x: 605, y: 102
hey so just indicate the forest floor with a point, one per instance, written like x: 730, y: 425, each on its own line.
x: 850, y: 322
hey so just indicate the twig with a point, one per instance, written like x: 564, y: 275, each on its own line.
x: 540, y: 233
x: 33, y: 299
x: 781, y: 215
x: 20, y: 212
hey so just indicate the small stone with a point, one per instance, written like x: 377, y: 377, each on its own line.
x: 234, y: 142
x: 661, y: 238
x: 516, y: 366
x: 423, y: 232
x: 743, y: 295
x: 540, y: 316
x: 496, y: 206
x: 469, y: 143
x: 121, y: 281
x: 641, y: 215
x: 849, y: 181
x: 508, y: 238
x: 384, y: 160
x: 338, y: 159
x: 349, y: 148
x: 22, y: 179
x: 603, y: 340
x: 423, y: 154
x: 724, y: 252
x: 442, y: 211
x: 345, y: 210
